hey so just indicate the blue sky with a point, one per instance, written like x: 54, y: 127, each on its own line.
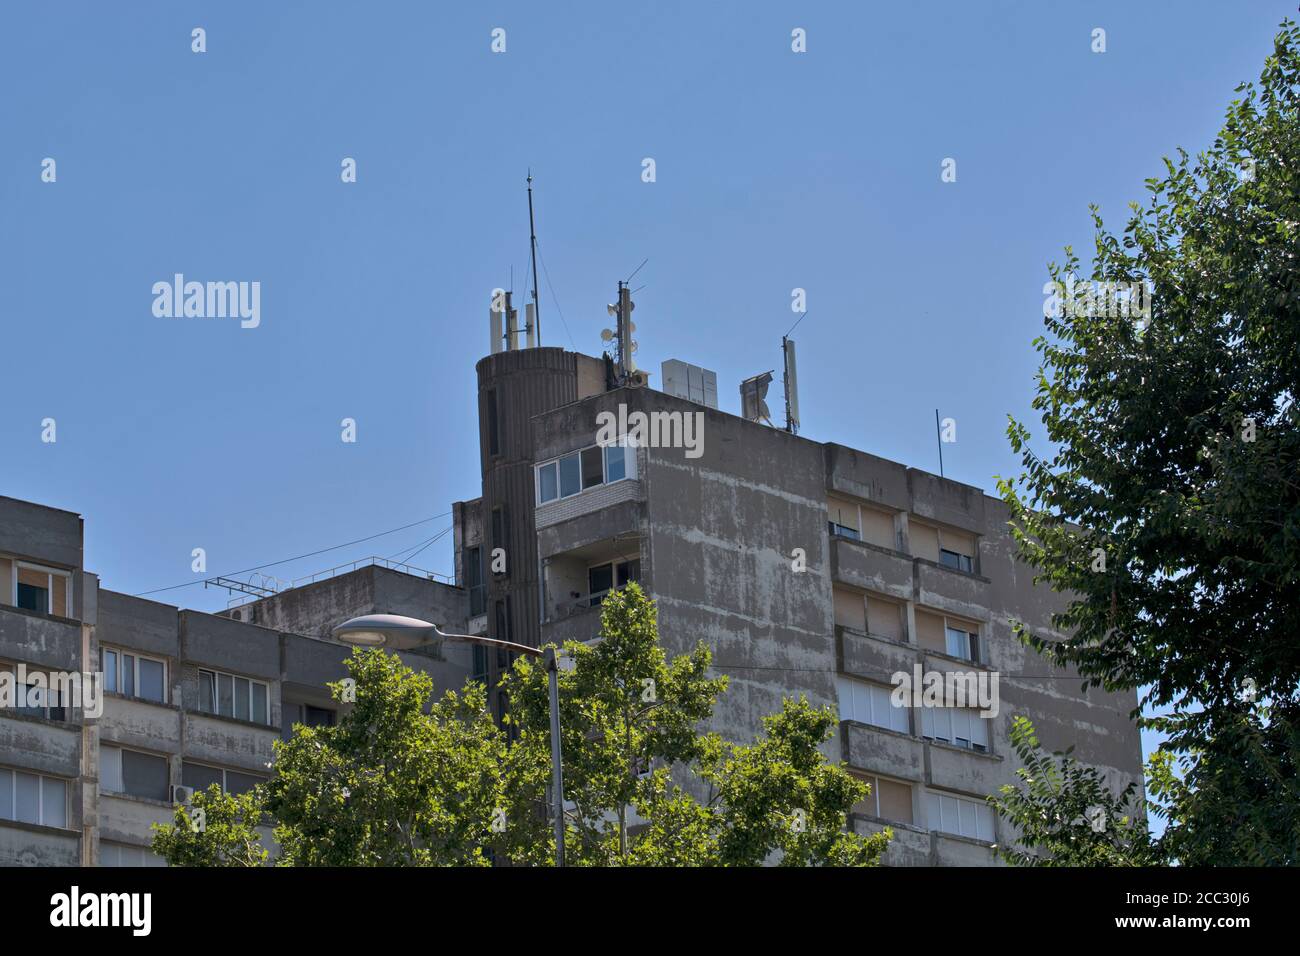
x: 774, y: 171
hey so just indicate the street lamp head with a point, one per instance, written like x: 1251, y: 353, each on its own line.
x: 390, y: 631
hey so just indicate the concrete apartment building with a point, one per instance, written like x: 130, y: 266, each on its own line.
x: 190, y: 699
x: 808, y: 568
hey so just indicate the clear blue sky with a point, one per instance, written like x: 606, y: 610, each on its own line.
x: 774, y: 170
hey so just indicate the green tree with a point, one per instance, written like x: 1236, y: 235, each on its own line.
x: 216, y: 829
x: 1170, y: 508
x: 1065, y: 814
x: 647, y: 787
x: 393, y: 784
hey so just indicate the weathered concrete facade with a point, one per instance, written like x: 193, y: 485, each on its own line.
x: 808, y: 568
x: 194, y: 698
x: 819, y: 570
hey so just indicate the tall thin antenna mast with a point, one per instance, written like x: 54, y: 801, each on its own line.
x: 532, y: 244
x: 938, y: 434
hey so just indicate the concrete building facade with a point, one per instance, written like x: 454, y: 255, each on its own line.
x: 808, y: 568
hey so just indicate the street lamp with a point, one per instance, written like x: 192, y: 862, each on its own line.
x: 399, y: 633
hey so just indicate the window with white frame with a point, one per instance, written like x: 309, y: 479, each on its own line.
x: 201, y: 776
x: 33, y: 798
x: 574, y: 473
x: 123, y: 854
x: 134, y: 773
x: 888, y: 799
x: 962, y: 642
x: 959, y: 726
x: 230, y: 696
x: 960, y: 815
x: 35, y: 696
x: 41, y: 589
x: 869, y: 703
x: 603, y: 578
x: 134, y: 675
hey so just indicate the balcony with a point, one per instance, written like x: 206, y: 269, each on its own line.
x: 23, y: 844
x: 910, y: 845
x: 950, y: 850
x: 43, y: 746
x: 871, y: 568
x: 871, y: 657
x: 880, y: 751
x: 39, y: 639
x: 966, y: 771
x: 957, y: 592
x: 580, y: 623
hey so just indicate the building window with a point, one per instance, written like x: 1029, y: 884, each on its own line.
x: 493, y: 423
x: 888, y: 799
x: 603, y: 578
x: 871, y: 704
x: 43, y: 590
x: 959, y: 815
x: 134, y: 773
x: 122, y: 854
x: 958, y: 562
x: 304, y: 714
x: 229, y: 696
x: 962, y: 643
x: 958, y: 726
x: 586, y: 468
x: 843, y: 519
x: 480, y: 669
x: 134, y: 675
x: 35, y: 700
x: 500, y: 532
x: 474, y: 581
x: 200, y: 777
x: 33, y: 798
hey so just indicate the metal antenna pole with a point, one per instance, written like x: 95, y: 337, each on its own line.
x: 532, y: 243
x: 938, y: 434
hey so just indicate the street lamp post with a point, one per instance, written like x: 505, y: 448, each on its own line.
x: 406, y: 633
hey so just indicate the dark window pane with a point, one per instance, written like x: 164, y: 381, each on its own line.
x: 128, y: 675
x: 548, y: 488
x: 225, y: 695
x: 570, y: 476
x: 240, y: 782
x: 241, y: 698
x: 319, y: 716
x: 593, y: 469
x: 599, y: 580
x: 615, y: 464
x: 494, y: 425
x: 629, y: 571
x: 32, y: 598
x: 151, y: 680
x: 6, y: 794
x: 27, y: 795
x: 110, y: 670
x: 259, y: 704
x: 144, y: 775
x: 199, y: 777
x: 207, y: 691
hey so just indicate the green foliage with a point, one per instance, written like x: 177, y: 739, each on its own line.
x: 1066, y: 815
x: 629, y: 720
x: 390, y: 785
x: 394, y: 785
x: 216, y: 829
x: 1178, y: 459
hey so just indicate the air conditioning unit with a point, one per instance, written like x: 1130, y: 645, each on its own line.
x: 638, y: 379
x: 182, y: 795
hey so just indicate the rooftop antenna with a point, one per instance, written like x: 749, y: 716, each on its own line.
x: 622, y: 311
x: 791, y: 386
x: 536, y: 317
x: 938, y: 434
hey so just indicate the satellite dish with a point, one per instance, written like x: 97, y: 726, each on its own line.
x: 606, y: 335
x: 612, y: 310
